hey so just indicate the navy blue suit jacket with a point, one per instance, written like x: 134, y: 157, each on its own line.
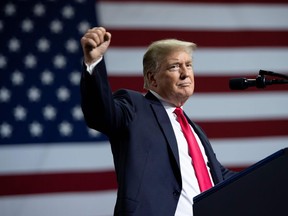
x: 143, y: 145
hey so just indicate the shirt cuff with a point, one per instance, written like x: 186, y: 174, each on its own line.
x: 90, y: 68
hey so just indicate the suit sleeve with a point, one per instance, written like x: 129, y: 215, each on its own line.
x: 103, y: 110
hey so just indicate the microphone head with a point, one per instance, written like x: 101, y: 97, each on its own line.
x: 238, y: 84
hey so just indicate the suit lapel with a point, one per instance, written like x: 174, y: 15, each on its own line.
x: 165, y: 124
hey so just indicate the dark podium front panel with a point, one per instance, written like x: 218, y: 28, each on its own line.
x: 260, y: 190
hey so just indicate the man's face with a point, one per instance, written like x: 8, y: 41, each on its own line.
x: 175, y: 79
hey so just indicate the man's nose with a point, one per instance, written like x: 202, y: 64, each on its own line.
x: 184, y: 71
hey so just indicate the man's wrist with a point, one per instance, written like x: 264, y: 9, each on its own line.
x: 90, y: 67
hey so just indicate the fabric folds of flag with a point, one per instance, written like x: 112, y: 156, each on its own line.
x: 52, y: 164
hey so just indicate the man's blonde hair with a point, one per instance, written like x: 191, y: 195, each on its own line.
x: 157, y: 52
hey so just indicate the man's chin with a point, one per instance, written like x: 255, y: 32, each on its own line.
x: 187, y: 92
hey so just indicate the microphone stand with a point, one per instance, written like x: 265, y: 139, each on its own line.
x: 261, y: 81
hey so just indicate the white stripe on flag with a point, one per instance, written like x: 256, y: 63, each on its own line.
x: 247, y: 151
x: 56, y: 157
x: 237, y: 106
x: 192, y: 16
x: 128, y: 61
x: 99, y: 157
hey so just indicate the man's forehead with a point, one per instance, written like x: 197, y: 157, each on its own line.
x: 172, y: 59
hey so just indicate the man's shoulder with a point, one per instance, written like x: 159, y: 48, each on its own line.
x: 124, y: 91
x: 141, y: 97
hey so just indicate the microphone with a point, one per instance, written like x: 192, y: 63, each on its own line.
x: 259, y: 82
x: 243, y: 83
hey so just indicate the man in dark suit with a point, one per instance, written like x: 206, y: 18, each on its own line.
x: 154, y: 169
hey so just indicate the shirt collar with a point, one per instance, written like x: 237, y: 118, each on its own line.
x: 168, y: 106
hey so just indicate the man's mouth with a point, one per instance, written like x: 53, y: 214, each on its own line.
x: 184, y: 84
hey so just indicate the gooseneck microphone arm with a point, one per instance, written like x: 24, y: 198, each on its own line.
x: 259, y: 82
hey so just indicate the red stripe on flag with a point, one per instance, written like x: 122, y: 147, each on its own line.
x: 27, y: 184
x: 56, y: 182
x: 237, y: 168
x: 218, y: 84
x: 249, y: 128
x: 204, y: 84
x: 134, y: 38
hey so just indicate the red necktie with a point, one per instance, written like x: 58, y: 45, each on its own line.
x: 198, y: 162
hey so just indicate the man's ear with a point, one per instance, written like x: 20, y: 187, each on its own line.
x: 151, y: 78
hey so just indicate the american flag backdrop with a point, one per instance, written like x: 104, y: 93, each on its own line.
x: 52, y: 164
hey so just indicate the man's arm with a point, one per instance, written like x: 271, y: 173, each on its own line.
x: 96, y: 94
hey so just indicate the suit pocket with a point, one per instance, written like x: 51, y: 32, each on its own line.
x: 125, y: 207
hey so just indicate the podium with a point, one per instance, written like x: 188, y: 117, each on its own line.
x: 259, y: 190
